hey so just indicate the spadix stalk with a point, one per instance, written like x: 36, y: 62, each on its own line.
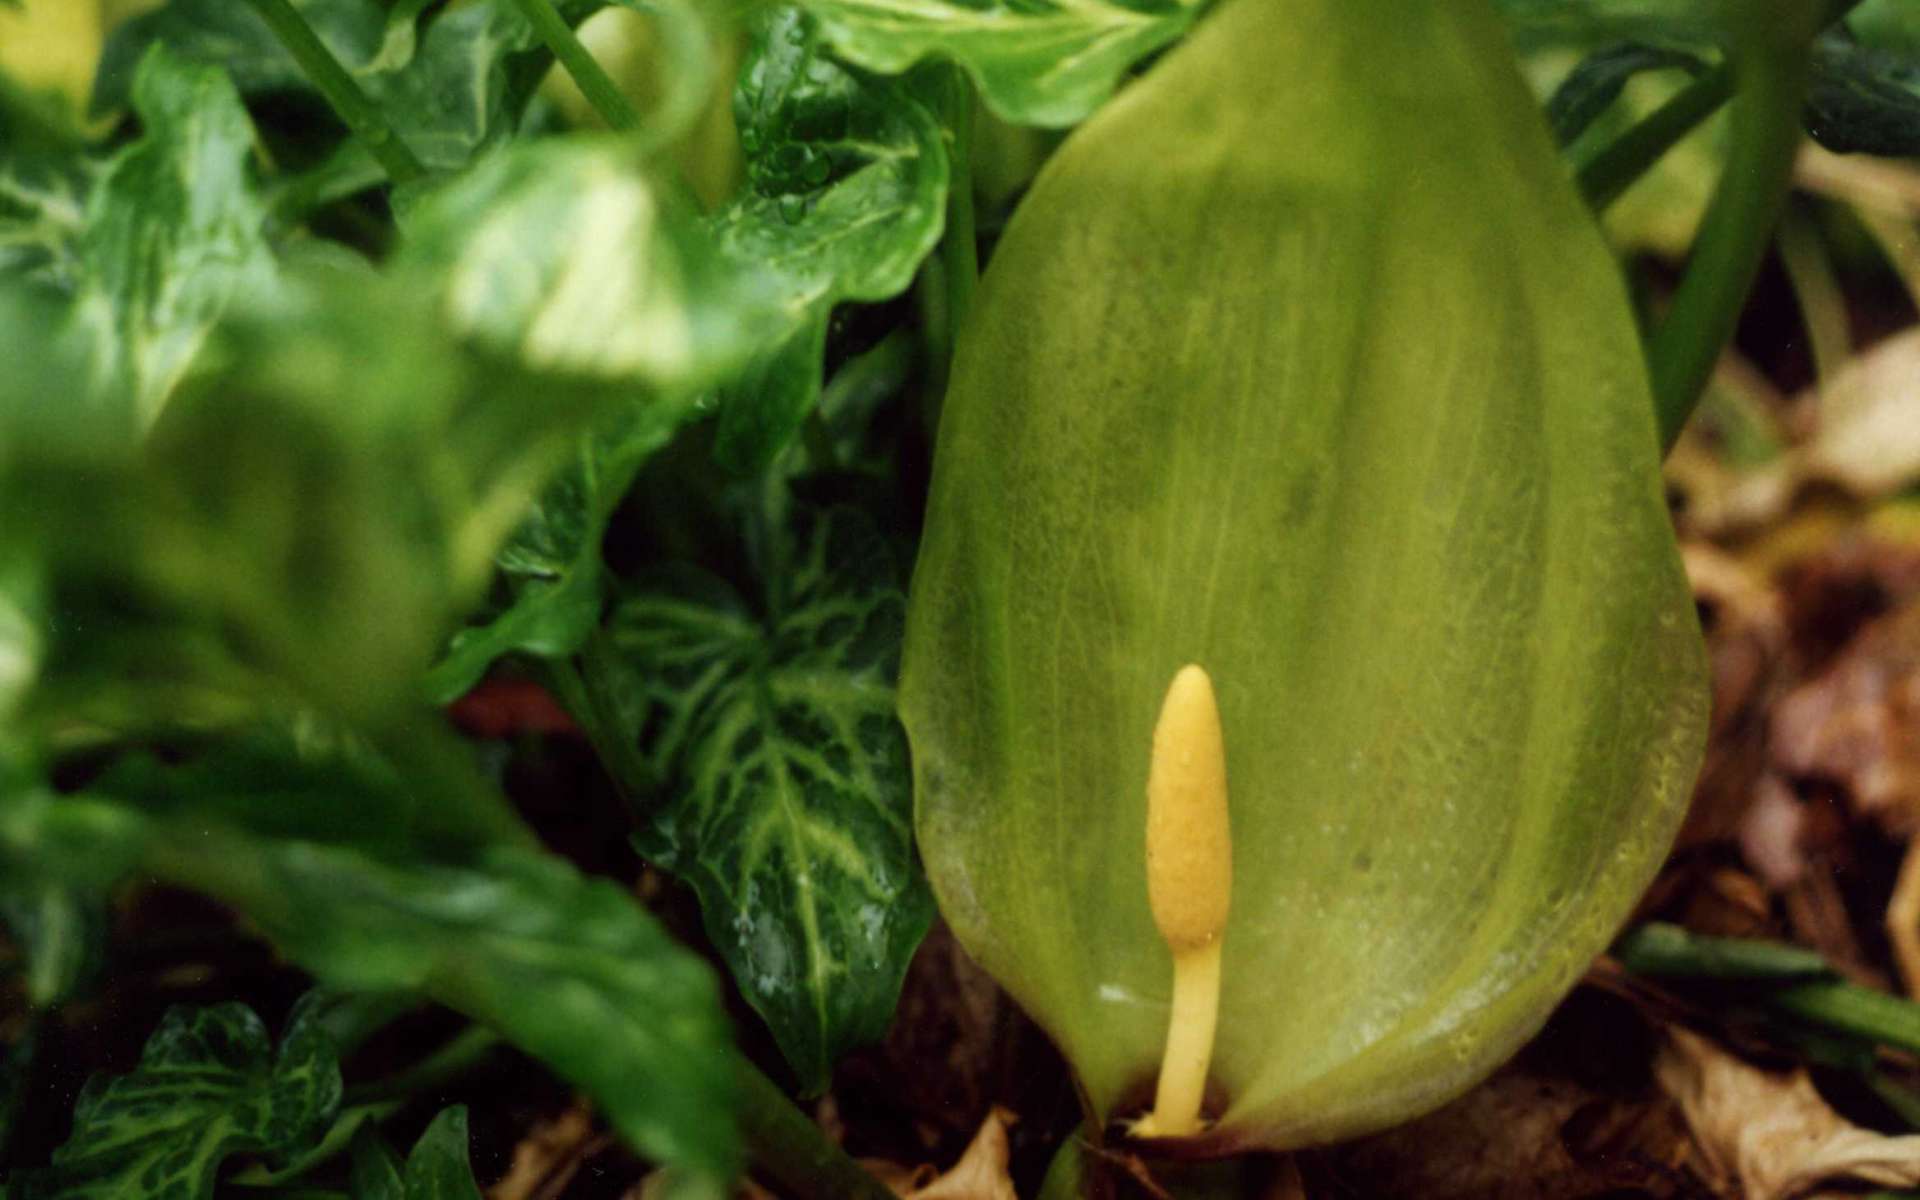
x: 1189, y: 885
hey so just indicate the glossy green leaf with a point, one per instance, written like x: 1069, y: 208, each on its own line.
x: 565, y: 252
x: 621, y: 1010
x: 452, y: 85
x: 1864, y: 100
x: 845, y: 195
x: 784, y: 778
x: 173, y: 232
x: 221, y: 33
x: 415, y: 791
x: 209, y: 1086
x: 1272, y: 373
x: 369, y: 468
x: 438, y: 1168
x: 552, y: 565
x: 1037, y: 62
x: 1886, y: 24
x: 44, y: 179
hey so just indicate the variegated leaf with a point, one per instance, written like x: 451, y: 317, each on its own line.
x: 209, y: 1085
x: 785, y: 799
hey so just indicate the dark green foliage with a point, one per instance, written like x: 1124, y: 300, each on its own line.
x: 1598, y: 81
x: 552, y: 566
x: 369, y: 467
x: 451, y: 90
x: 437, y: 1169
x: 209, y: 1086
x: 151, y: 243
x: 784, y: 777
x: 1864, y: 100
x: 621, y: 1009
x: 846, y: 183
x: 16, y: 1060
x: 1036, y: 62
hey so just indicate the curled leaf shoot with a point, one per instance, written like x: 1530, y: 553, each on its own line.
x: 1189, y: 883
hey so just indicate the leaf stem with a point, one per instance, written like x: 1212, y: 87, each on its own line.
x: 947, y: 283
x: 1848, y: 1008
x: 793, y: 1151
x: 594, y: 83
x: 1608, y: 174
x: 1739, y: 227
x: 1658, y: 949
x: 1895, y: 1095
x: 460, y: 1054
x: 1823, y: 308
x: 360, y: 114
x: 959, y: 248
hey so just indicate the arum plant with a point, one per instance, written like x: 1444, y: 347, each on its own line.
x: 1278, y: 373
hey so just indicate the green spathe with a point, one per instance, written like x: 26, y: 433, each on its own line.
x: 1302, y: 361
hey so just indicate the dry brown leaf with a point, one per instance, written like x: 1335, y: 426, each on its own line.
x: 1746, y: 633
x: 1772, y: 833
x: 1525, y: 1134
x: 1286, y: 1183
x: 1771, y: 1134
x: 1858, y: 723
x: 981, y: 1173
x: 550, y: 1154
x: 1715, y: 493
x: 1869, y: 436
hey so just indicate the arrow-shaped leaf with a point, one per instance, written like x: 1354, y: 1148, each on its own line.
x: 786, y: 794
x: 209, y: 1086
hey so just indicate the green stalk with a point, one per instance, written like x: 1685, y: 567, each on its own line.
x: 1823, y: 308
x: 599, y: 89
x: 1772, y: 81
x: 959, y: 248
x: 1608, y: 174
x: 1895, y: 1095
x: 1660, y: 949
x: 792, y: 1150
x: 947, y: 282
x: 460, y: 1054
x: 1848, y: 1008
x: 360, y: 114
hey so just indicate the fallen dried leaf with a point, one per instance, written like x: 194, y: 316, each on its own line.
x: 981, y: 1173
x: 1869, y: 436
x: 547, y: 1158
x: 1523, y: 1135
x: 1858, y: 723
x: 1746, y: 632
x: 1729, y: 471
x: 1771, y: 1134
x: 1771, y: 835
